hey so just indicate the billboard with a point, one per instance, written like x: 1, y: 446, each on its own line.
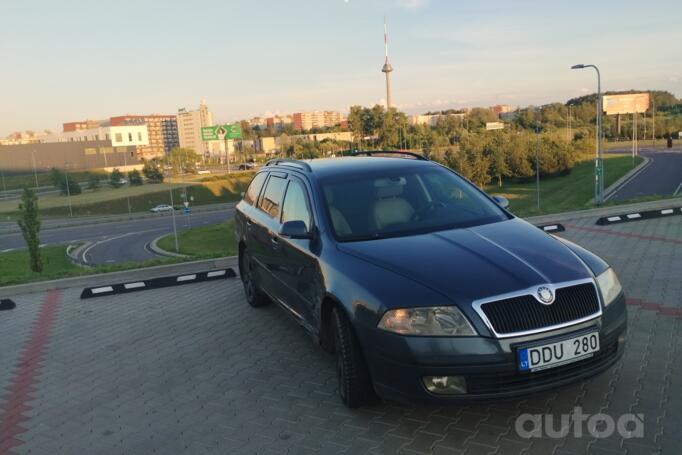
x: 220, y: 132
x: 494, y: 126
x: 630, y: 103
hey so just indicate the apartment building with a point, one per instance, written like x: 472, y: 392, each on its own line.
x: 114, y: 136
x: 189, y: 128
x: 433, y: 119
x: 161, y: 129
x: 304, y: 121
x: 278, y: 122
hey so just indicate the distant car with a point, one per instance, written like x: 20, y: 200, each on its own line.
x: 246, y: 166
x: 161, y: 208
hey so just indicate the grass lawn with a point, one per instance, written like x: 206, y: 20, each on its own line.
x: 14, y: 266
x: 559, y: 194
x: 215, y: 240
x: 21, y: 180
x: 108, y: 200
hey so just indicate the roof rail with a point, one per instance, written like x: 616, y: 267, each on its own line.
x: 389, y: 152
x: 290, y: 161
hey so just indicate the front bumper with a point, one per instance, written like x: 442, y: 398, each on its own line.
x: 489, y: 365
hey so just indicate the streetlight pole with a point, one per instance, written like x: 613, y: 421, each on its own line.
x: 599, y: 162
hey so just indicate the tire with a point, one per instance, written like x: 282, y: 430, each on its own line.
x: 254, y: 296
x: 354, y: 381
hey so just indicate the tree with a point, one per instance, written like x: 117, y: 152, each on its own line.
x: 30, y: 226
x: 355, y: 123
x: 64, y: 182
x: 93, y: 181
x: 153, y: 171
x: 183, y: 160
x: 116, y: 178
x: 135, y: 178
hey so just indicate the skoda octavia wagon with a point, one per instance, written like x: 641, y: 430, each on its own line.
x: 424, y: 287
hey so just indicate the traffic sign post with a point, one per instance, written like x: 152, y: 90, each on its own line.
x: 186, y: 210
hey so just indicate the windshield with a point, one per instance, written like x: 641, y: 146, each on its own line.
x: 406, y: 202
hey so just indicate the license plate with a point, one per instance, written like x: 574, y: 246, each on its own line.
x: 552, y: 355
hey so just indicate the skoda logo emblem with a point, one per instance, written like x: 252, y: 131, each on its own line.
x: 545, y: 295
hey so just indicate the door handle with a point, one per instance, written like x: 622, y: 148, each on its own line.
x: 248, y: 222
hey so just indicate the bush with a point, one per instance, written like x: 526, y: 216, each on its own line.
x: 64, y: 182
x: 134, y: 177
x: 116, y: 179
x: 93, y: 181
x: 153, y: 171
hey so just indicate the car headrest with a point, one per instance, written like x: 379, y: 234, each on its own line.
x: 389, y: 187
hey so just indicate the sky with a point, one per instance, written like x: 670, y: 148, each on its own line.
x: 63, y: 60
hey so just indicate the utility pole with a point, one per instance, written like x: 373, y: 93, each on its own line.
x: 35, y: 173
x: 175, y: 229
x: 68, y: 188
x: 653, y: 123
x: 125, y: 166
x: 4, y: 187
x: 537, y: 165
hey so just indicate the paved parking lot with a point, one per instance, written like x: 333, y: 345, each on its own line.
x: 193, y: 369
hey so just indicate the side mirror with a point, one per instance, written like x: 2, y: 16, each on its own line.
x: 295, y: 229
x: 501, y: 201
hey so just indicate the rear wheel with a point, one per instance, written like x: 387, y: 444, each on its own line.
x: 354, y: 381
x: 254, y: 296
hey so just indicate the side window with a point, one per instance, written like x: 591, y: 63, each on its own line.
x: 272, y: 198
x: 255, y: 186
x: 295, y: 204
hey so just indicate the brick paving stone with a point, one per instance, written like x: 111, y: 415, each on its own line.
x: 194, y: 369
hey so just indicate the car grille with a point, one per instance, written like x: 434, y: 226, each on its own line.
x: 525, y: 313
x: 518, y: 382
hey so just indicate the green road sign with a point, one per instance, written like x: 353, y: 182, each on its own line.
x: 220, y: 132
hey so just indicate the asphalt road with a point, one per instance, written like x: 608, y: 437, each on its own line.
x: 118, y: 242
x: 662, y: 177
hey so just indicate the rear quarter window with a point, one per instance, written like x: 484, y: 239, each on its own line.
x: 254, y: 188
x: 271, y: 201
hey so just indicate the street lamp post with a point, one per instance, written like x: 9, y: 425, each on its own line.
x: 599, y: 163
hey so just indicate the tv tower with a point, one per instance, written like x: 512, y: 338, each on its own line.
x: 387, y: 68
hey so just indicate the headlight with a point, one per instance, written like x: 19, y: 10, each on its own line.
x: 433, y: 321
x: 609, y: 285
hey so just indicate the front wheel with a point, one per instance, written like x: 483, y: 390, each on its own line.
x: 254, y: 296
x: 354, y: 381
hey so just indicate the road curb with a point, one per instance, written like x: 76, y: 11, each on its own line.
x: 153, y: 245
x: 73, y: 252
x: 618, y: 184
x: 604, y: 211
x: 97, y: 279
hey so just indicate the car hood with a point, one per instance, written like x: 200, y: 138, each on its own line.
x: 477, y: 262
